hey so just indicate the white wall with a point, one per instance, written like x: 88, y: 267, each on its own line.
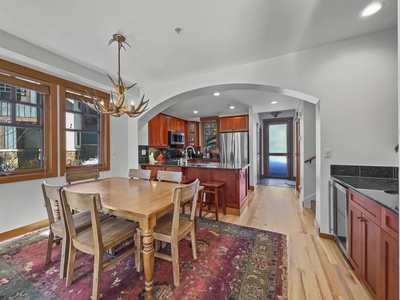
x: 355, y: 80
x: 308, y: 150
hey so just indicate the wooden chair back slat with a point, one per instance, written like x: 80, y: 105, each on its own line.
x: 71, y: 177
x: 139, y: 174
x: 170, y: 176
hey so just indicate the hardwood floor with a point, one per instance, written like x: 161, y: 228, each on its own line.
x: 316, y: 267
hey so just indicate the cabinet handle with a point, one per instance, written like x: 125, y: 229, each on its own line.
x: 361, y: 219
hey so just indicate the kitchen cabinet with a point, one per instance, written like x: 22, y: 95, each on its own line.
x: 159, y: 126
x: 192, y: 134
x: 237, y: 123
x: 373, y: 246
x: 158, y: 131
x: 389, y: 246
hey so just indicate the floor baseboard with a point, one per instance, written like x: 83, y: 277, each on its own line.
x: 23, y: 230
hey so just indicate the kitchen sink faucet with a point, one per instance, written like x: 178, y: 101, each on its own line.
x: 186, y: 153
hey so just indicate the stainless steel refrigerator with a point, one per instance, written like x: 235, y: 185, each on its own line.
x: 234, y: 147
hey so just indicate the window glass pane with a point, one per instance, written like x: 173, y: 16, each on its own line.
x: 90, y: 111
x: 277, y: 138
x: 5, y: 91
x: 73, y: 105
x: 20, y: 148
x: 5, y: 112
x: 210, y: 135
x: 82, y: 148
x: 91, y: 123
x: 29, y: 96
x: 28, y: 115
x: 73, y: 121
x: 278, y: 166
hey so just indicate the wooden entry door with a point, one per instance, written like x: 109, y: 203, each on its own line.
x: 278, y: 141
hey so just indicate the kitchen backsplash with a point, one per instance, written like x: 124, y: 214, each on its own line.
x: 365, y: 171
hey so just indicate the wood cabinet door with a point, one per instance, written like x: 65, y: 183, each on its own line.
x: 180, y: 125
x: 226, y: 124
x: 241, y: 123
x: 192, y: 134
x: 157, y: 131
x: 171, y: 123
x: 238, y: 123
x: 371, y: 233
x: 355, y: 239
x: 389, y: 278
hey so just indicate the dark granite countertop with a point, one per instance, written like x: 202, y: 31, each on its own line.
x: 384, y: 191
x: 205, y: 165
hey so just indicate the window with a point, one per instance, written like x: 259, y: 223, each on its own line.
x: 209, y: 133
x: 26, y: 125
x: 84, y: 139
x: 21, y: 129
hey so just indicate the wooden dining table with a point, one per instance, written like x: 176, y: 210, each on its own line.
x: 138, y: 200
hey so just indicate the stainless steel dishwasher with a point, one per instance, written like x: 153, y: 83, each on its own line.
x: 340, y: 205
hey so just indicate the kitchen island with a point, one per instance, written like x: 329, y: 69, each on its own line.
x: 235, y: 177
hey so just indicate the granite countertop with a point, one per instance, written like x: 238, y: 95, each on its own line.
x: 204, y: 165
x: 384, y: 191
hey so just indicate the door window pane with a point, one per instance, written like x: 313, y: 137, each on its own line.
x: 278, y: 166
x: 277, y: 138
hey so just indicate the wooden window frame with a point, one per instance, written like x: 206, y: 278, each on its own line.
x: 53, y: 121
x: 49, y: 122
x: 104, y: 164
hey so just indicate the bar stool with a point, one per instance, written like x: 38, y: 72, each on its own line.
x: 213, y: 188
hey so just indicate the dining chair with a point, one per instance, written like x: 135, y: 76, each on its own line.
x: 139, y: 174
x: 101, y: 237
x: 57, y: 227
x: 74, y: 176
x: 170, y: 176
x: 172, y: 228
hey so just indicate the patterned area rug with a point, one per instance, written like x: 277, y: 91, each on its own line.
x: 234, y: 262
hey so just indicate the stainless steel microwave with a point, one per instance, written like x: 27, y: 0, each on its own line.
x: 176, y: 138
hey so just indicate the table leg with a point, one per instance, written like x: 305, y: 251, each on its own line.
x: 148, y: 261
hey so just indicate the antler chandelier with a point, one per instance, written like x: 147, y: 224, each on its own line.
x: 118, y: 105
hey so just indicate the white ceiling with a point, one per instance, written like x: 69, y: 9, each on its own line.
x: 215, y: 35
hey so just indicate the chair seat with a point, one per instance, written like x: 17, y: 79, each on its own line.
x: 56, y: 227
x: 163, y: 229
x: 114, y: 231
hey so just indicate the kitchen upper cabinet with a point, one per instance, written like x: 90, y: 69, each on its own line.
x: 158, y: 131
x: 171, y: 123
x: 159, y: 126
x: 175, y: 124
x: 237, y: 123
x: 180, y: 125
x: 192, y: 134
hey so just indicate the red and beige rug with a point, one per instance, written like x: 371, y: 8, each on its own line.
x: 234, y: 262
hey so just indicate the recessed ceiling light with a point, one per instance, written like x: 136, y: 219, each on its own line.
x: 231, y: 107
x: 195, y: 111
x: 371, y: 9
x: 217, y: 94
x: 274, y: 102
